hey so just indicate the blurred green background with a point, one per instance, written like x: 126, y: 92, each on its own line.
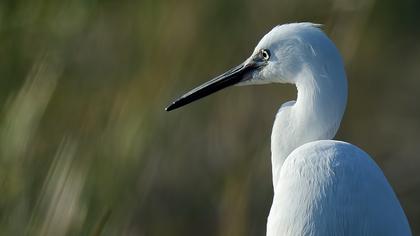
x: 87, y: 149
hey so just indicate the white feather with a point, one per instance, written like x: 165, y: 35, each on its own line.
x: 321, y: 187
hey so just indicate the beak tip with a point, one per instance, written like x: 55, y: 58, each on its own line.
x: 170, y: 107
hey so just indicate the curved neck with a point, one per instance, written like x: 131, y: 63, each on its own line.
x: 316, y: 114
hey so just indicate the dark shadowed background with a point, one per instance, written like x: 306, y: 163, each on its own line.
x: 87, y: 149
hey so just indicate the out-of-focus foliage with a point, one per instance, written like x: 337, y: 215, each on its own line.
x: 87, y: 149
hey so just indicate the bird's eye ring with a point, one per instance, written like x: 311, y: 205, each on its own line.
x: 265, y: 53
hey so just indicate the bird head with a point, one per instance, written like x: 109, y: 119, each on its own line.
x: 277, y: 58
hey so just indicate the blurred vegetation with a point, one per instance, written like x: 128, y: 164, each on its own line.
x: 86, y: 148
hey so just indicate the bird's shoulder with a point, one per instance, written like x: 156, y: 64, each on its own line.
x: 333, y: 164
x: 332, y: 154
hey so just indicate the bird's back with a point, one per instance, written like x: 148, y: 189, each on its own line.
x: 333, y: 188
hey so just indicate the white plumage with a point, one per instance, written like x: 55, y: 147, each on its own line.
x: 321, y: 187
x: 330, y: 187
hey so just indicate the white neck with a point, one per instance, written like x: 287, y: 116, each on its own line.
x: 315, y: 115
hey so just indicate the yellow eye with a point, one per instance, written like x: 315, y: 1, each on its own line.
x: 265, y: 53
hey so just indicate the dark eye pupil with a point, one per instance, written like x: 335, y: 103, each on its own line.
x: 265, y: 54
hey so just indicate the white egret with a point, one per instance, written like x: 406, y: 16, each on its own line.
x: 321, y: 186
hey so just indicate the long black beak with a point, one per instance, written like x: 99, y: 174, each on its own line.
x: 231, y: 77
